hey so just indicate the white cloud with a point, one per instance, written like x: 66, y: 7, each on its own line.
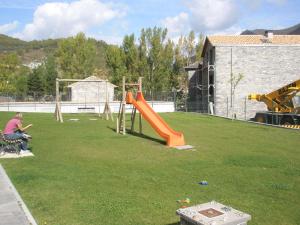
x: 177, y: 25
x: 6, y: 28
x: 203, y: 16
x: 233, y: 30
x: 256, y: 4
x: 60, y: 19
x: 214, y: 15
x: 277, y: 2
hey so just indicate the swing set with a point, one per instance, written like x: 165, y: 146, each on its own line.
x: 58, y: 112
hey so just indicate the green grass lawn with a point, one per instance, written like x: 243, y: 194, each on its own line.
x: 83, y: 173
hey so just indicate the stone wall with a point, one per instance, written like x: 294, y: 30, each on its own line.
x: 264, y: 67
x: 91, y: 92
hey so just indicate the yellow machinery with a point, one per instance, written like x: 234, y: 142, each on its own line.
x: 283, y: 105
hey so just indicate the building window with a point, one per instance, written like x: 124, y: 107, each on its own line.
x: 211, y: 56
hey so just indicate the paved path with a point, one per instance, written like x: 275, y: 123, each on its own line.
x: 13, y: 210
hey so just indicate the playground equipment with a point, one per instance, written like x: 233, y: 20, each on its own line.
x: 172, y: 137
x: 283, y: 106
x: 58, y: 113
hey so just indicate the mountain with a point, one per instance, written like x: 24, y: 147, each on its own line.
x: 28, y: 51
x: 294, y: 30
x: 36, y: 51
x: 8, y: 43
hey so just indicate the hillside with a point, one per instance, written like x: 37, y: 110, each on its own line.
x: 294, y: 30
x: 8, y: 43
x: 30, y: 51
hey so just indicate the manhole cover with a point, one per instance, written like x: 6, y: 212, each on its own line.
x: 210, y: 213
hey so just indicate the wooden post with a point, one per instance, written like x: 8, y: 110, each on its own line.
x: 124, y: 106
x: 56, y: 98
x: 106, y: 102
x: 140, y: 115
x: 99, y: 111
x: 120, y: 118
x: 133, y: 119
x: 117, y: 129
x: 58, y: 113
x: 107, y: 111
x: 140, y: 84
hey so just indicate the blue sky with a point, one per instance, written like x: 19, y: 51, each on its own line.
x: 110, y: 20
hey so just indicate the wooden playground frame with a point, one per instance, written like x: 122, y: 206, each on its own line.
x: 121, y: 120
x: 58, y: 114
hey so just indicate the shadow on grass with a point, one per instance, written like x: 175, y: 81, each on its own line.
x: 141, y: 136
x: 178, y: 223
x: 147, y: 137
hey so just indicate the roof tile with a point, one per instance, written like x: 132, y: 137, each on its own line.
x: 254, y: 39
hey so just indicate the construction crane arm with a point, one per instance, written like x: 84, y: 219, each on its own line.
x: 281, y: 99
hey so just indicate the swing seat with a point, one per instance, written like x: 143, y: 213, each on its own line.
x: 87, y: 109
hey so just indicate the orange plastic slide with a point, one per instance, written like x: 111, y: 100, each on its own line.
x: 172, y: 137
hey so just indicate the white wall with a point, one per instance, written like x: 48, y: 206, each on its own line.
x: 91, y: 91
x: 69, y: 107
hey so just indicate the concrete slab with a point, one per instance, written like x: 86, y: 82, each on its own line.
x: 13, y: 210
x: 212, y: 213
x: 75, y: 119
x: 184, y: 147
x: 15, y: 155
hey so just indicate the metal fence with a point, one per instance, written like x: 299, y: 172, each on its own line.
x: 181, y: 102
x: 4, y: 97
x: 240, y: 108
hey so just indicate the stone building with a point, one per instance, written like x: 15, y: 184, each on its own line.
x: 91, y: 92
x: 266, y: 62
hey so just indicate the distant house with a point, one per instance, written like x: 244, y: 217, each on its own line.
x: 33, y: 65
x: 91, y: 92
x: 266, y: 62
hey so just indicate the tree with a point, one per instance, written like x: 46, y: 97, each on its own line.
x: 12, y: 75
x: 21, y: 86
x: 234, y: 82
x: 179, y: 63
x: 35, y: 82
x: 130, y: 57
x: 9, y: 65
x: 155, y: 58
x: 154, y: 41
x: 76, y: 57
x: 101, y: 73
x: 115, y: 62
x: 50, y: 75
x: 190, y: 49
x: 199, y: 47
x: 167, y: 67
x: 143, y: 67
x: 20, y: 81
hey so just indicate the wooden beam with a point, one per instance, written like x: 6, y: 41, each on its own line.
x: 78, y: 80
x: 131, y: 84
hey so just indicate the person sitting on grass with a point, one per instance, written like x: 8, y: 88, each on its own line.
x: 15, y: 130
